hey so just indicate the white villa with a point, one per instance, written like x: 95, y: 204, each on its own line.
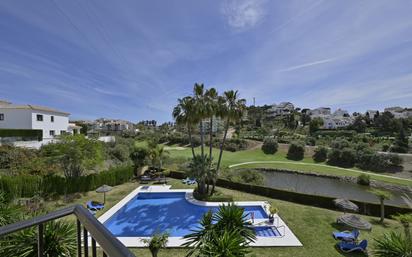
x: 338, y: 119
x: 284, y: 108
x: 32, y: 117
x: 399, y: 112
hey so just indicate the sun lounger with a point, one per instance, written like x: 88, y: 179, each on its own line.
x: 346, y: 235
x: 348, y: 247
x: 93, y: 205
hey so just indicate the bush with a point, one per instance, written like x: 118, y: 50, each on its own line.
x: 364, y: 180
x: 393, y: 244
x: 321, y: 154
x: 378, y: 162
x: 342, y: 157
x: 296, y: 151
x: 310, y: 141
x: 270, y: 146
x: 385, y: 147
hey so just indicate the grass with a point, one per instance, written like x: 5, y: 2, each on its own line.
x: 231, y: 158
x: 313, y: 226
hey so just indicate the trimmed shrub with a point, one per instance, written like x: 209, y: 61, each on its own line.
x: 310, y: 141
x: 296, y: 151
x: 321, y: 154
x: 28, y: 186
x: 270, y: 146
x: 363, y: 180
x: 342, y: 157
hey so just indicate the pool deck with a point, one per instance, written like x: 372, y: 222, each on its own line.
x: 287, y: 237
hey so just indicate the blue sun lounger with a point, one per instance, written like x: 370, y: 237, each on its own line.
x: 348, y: 247
x: 94, y: 206
x: 346, y: 235
x: 189, y: 181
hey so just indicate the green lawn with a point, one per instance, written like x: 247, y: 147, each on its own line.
x: 313, y: 226
x: 231, y: 158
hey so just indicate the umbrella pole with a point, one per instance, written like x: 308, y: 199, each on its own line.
x: 104, y: 197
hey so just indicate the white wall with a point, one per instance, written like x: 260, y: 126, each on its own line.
x: 61, y: 122
x: 16, y: 118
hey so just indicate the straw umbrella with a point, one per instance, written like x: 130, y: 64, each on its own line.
x: 103, y: 189
x: 354, y: 221
x: 346, y: 205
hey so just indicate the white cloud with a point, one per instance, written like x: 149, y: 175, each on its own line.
x: 243, y: 14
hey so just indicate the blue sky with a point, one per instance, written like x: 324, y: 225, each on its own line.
x: 133, y: 59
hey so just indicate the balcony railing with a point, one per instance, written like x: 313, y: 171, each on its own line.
x: 86, y: 224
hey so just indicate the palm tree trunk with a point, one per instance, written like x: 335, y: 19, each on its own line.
x: 202, y: 140
x: 221, y: 146
x: 191, y: 140
x: 382, y: 211
x: 210, y: 139
x: 220, y: 156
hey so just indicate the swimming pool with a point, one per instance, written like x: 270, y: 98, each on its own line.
x: 150, y: 209
x: 159, y: 212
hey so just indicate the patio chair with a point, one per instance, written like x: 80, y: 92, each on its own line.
x: 348, y: 247
x: 185, y: 180
x: 93, y: 205
x: 346, y: 235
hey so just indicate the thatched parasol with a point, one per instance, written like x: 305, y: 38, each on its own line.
x: 103, y: 189
x: 354, y: 221
x: 346, y: 205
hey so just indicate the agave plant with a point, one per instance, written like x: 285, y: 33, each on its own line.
x: 393, y: 245
x: 59, y: 240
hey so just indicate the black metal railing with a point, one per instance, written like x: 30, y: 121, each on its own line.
x: 86, y: 224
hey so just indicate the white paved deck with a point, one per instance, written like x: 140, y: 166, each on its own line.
x: 287, y: 237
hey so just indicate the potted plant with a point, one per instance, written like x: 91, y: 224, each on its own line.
x: 272, y: 210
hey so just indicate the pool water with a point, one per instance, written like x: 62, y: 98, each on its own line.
x: 148, y: 213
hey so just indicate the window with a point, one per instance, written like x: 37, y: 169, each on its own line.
x: 63, y: 132
x: 39, y: 117
x: 1, y: 116
x: 52, y: 118
x: 51, y: 132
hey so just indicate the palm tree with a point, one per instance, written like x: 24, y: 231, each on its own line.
x: 211, y: 109
x: 200, y: 112
x: 405, y: 220
x: 183, y: 113
x: 382, y: 195
x: 231, y: 108
x: 198, y: 168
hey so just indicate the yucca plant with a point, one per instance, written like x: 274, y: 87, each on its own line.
x: 393, y: 245
x: 156, y: 242
x: 59, y: 240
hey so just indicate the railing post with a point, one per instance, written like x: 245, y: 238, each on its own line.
x: 93, y: 247
x: 85, y: 243
x: 40, y: 240
x: 79, y: 239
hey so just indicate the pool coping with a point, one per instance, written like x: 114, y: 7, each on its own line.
x: 288, y: 239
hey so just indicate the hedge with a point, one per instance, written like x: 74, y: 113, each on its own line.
x: 28, y: 186
x: 311, y: 200
x: 26, y: 133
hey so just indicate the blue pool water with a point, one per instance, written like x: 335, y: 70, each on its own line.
x: 158, y: 212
